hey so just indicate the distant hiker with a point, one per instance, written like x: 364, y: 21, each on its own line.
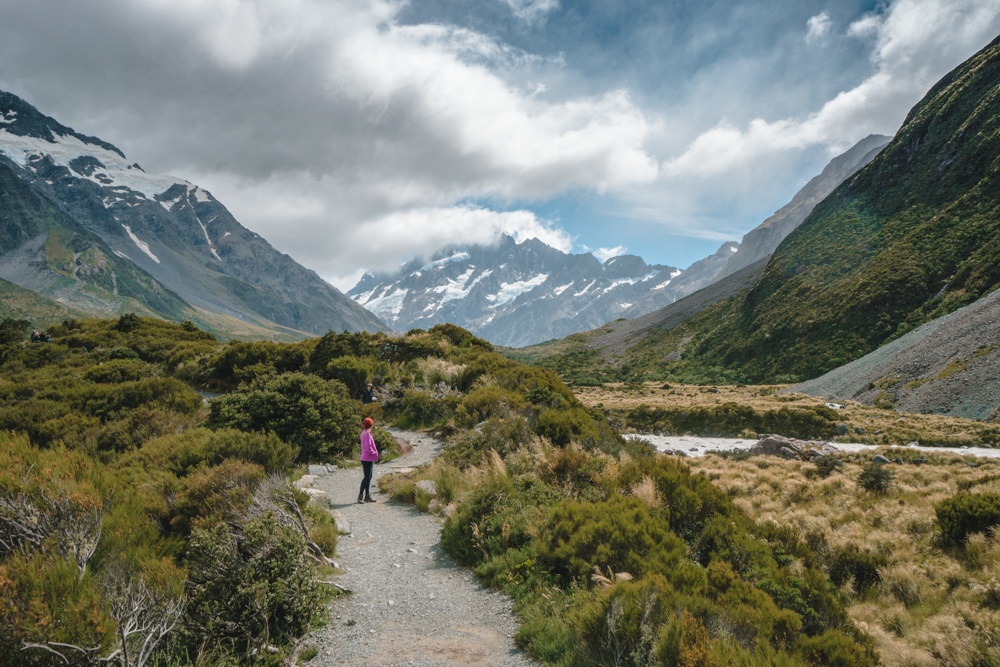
x: 36, y: 336
x: 369, y: 455
x: 369, y: 395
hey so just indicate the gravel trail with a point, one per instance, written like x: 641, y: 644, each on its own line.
x: 410, y: 604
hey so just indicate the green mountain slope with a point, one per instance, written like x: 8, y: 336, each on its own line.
x: 17, y: 303
x: 913, y: 236
x: 45, y: 251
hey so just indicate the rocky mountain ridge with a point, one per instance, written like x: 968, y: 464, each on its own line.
x: 173, y: 231
x: 515, y: 294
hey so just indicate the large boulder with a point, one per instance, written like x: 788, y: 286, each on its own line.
x: 791, y: 448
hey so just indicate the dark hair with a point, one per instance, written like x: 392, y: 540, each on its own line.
x: 367, y: 422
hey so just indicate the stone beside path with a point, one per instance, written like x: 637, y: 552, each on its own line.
x: 410, y: 605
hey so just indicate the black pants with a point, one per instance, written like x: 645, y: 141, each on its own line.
x: 366, y: 482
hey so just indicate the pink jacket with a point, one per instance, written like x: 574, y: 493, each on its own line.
x: 368, y: 450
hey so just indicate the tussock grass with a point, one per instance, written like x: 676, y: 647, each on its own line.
x: 933, y: 605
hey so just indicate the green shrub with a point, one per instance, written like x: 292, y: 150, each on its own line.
x: 827, y: 464
x: 309, y: 413
x: 562, y: 426
x: 617, y: 625
x: 248, y: 589
x: 213, y: 495
x: 13, y: 331
x: 418, y: 409
x: 967, y: 513
x: 859, y: 565
x: 181, y: 453
x: 242, y: 361
x: 503, y: 435
x: 119, y: 370
x: 487, y: 402
x: 501, y: 514
x: 47, y: 600
x: 618, y: 535
x: 876, y: 478
x: 128, y: 322
x: 836, y: 649
x: 354, y: 372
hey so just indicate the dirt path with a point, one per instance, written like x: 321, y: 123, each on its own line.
x: 410, y: 604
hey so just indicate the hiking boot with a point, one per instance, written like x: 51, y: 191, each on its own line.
x: 361, y: 498
x: 369, y: 499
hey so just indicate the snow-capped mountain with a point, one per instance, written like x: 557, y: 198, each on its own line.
x: 516, y: 294
x: 173, y: 230
x: 521, y: 294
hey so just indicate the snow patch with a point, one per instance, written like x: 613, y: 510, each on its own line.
x: 459, y: 288
x: 388, y: 306
x: 562, y: 288
x: 662, y: 285
x: 200, y: 196
x: 510, y: 291
x: 208, y: 240
x: 142, y: 245
x: 8, y: 117
x: 116, y: 173
x: 629, y: 281
x: 436, y: 264
x: 586, y: 289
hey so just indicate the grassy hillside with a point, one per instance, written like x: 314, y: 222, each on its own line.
x: 17, y: 303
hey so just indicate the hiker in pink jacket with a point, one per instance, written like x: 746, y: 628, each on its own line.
x: 369, y: 455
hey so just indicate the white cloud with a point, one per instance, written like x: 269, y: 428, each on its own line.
x: 817, y: 27
x: 382, y: 244
x: 532, y: 11
x: 604, y: 254
x: 916, y: 43
x: 329, y: 120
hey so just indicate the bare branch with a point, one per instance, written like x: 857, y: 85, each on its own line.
x: 144, y: 617
x: 274, y: 496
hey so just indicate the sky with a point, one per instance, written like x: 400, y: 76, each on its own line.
x: 357, y: 134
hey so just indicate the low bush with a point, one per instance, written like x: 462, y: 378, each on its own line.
x: 305, y: 411
x: 967, y: 513
x: 248, y: 587
x: 875, y: 478
x: 860, y: 566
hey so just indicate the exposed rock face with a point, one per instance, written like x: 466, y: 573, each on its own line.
x: 950, y: 366
x: 169, y: 230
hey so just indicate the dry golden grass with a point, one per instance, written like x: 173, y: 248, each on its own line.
x: 434, y: 370
x: 933, y: 606
x: 865, y: 423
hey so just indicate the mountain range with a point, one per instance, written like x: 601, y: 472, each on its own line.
x: 518, y: 294
x: 85, y: 228
x: 911, y: 237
